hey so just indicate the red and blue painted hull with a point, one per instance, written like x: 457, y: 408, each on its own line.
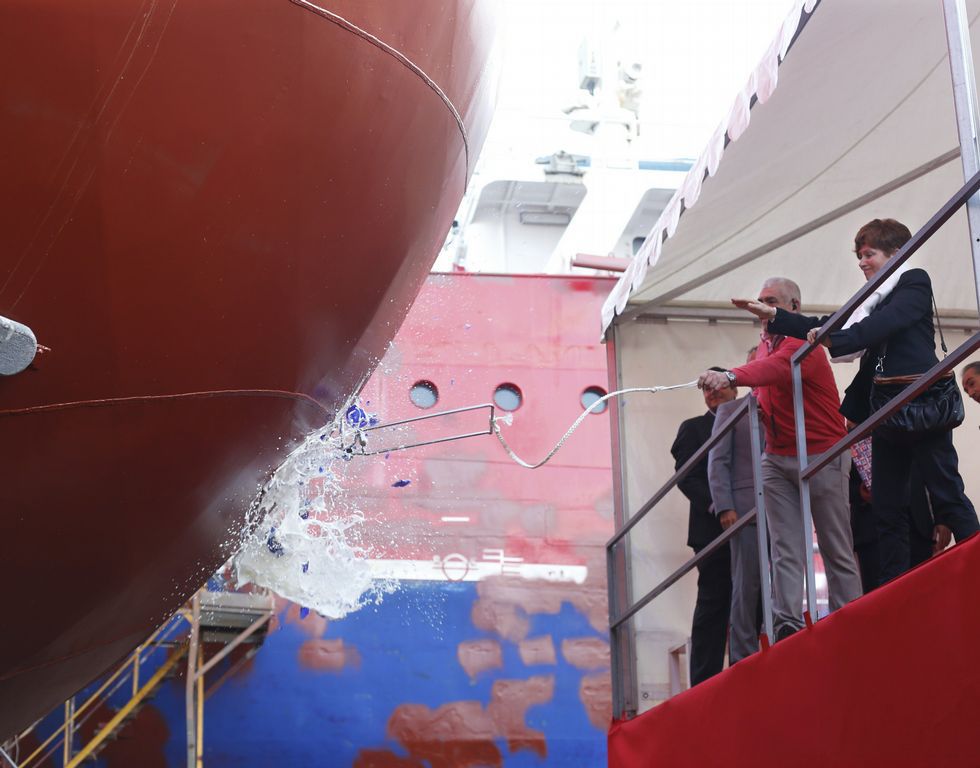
x: 498, y: 655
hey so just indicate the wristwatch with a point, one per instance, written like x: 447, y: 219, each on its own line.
x: 731, y: 378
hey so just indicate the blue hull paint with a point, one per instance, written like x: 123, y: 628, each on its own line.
x: 281, y: 713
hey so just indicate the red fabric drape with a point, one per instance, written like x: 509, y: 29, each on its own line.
x: 893, y: 679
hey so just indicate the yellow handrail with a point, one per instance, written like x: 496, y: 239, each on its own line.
x: 199, y: 746
x: 88, y: 702
x: 129, y: 706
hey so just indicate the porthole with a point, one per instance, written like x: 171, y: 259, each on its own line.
x: 424, y: 394
x: 590, y: 395
x: 508, y: 397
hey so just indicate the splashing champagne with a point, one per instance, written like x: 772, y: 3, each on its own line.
x: 307, y: 546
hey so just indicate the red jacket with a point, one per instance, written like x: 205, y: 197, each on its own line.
x: 770, y: 374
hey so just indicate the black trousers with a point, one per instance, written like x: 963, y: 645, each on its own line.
x: 920, y: 550
x: 709, y: 629
x: 935, y: 458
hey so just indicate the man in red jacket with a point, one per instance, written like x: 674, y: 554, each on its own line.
x: 770, y: 375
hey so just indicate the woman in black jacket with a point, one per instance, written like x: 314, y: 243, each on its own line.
x: 895, y: 331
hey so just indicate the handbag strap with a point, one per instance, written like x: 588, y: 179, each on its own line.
x: 942, y: 339
x: 880, y: 367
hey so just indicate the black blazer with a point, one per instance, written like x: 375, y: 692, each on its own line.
x: 899, y: 331
x: 702, y: 526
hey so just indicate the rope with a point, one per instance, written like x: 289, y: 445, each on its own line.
x: 517, y: 459
x: 401, y: 58
x: 276, y: 393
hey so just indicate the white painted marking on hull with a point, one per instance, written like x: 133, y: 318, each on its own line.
x: 458, y: 568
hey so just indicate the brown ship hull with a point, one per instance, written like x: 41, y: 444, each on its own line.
x: 216, y: 216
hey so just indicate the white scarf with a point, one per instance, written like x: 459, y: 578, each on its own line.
x: 868, y: 306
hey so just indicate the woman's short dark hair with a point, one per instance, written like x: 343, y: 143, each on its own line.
x: 885, y: 235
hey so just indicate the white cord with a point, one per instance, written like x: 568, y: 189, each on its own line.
x: 586, y: 412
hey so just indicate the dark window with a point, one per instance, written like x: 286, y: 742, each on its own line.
x: 424, y: 394
x: 592, y: 394
x: 508, y: 397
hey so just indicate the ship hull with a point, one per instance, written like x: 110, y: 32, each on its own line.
x: 215, y: 216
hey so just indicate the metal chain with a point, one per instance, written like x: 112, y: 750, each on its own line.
x: 517, y: 459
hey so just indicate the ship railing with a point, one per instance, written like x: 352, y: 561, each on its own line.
x: 623, y: 609
x: 810, y: 466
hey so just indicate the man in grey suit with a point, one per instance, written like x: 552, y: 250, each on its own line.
x: 733, y: 495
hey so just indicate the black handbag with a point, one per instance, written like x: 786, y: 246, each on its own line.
x: 938, y: 409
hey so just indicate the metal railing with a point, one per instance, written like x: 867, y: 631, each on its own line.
x: 621, y: 641
x: 358, y: 444
x: 243, y: 617
x: 77, y: 714
x: 807, y: 468
x: 968, y: 128
x: 625, y: 696
x: 258, y: 616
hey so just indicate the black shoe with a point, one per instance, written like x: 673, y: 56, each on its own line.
x: 785, y: 631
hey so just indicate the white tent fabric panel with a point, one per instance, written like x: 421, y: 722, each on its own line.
x: 824, y: 265
x: 862, y: 99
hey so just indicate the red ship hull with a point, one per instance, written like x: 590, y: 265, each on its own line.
x: 216, y: 216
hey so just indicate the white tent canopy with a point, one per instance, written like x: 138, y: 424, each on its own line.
x: 854, y: 120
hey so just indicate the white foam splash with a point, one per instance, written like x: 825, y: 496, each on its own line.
x: 307, y: 545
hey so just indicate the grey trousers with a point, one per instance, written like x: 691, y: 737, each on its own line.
x: 831, y: 519
x: 743, y: 635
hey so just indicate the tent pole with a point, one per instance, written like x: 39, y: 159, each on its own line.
x: 619, y: 565
x: 967, y: 121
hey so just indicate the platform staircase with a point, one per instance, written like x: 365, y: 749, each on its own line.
x: 217, y: 620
